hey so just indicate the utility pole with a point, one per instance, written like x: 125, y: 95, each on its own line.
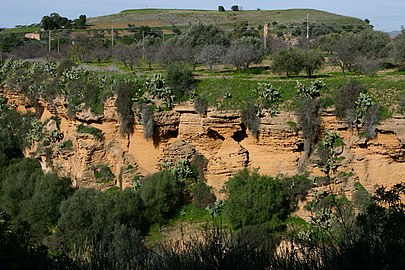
x: 307, y: 26
x: 112, y: 41
x: 265, y: 34
x: 49, y: 40
x: 143, y: 44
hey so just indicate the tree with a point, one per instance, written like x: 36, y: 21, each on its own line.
x: 289, y: 61
x: 42, y: 209
x: 253, y: 199
x: 201, y: 34
x: 9, y: 41
x: 78, y: 214
x: 18, y: 185
x: 212, y: 54
x: 129, y: 55
x: 398, y: 49
x: 313, y: 60
x: 346, y: 52
x: 235, y: 8
x: 245, y: 51
x: 221, y: 9
x: 161, y: 194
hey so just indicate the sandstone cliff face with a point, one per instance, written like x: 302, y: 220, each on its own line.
x: 219, y: 136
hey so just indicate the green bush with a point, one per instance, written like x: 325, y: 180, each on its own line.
x: 103, y: 173
x: 161, y: 194
x: 97, y: 133
x: 180, y: 79
x: 253, y: 199
x: 202, y: 195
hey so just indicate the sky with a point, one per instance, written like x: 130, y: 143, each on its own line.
x: 385, y: 15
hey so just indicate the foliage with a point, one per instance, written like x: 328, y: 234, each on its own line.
x: 200, y: 35
x: 212, y: 54
x: 371, y: 119
x: 329, y: 156
x: 313, y: 60
x: 202, y: 195
x: 250, y: 118
x: 41, y: 211
x: 126, y: 92
x: 309, y: 120
x: 268, y: 96
x: 180, y: 79
x: 244, y: 51
x: 345, y: 101
x: 157, y: 89
x: 363, y: 103
x: 18, y: 184
x: 161, y: 194
x: 201, y: 106
x: 78, y: 215
x: 398, y: 50
x: 253, y: 199
x: 97, y: 133
x: 289, y: 61
x: 312, y: 91
x: 147, y: 121
x: 103, y: 173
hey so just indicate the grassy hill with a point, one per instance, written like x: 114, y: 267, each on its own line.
x: 165, y: 18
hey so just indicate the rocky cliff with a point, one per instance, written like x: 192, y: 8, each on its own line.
x: 219, y: 136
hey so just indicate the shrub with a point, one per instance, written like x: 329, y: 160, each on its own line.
x: 309, y: 120
x: 103, y: 173
x: 161, y: 194
x: 253, y: 199
x: 147, y: 121
x: 371, y: 119
x: 97, y: 133
x: 251, y: 119
x: 289, y: 61
x: 345, y: 101
x: 202, y: 195
x: 125, y: 94
x: 201, y: 106
x: 180, y: 79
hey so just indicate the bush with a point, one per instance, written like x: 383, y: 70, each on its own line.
x: 251, y: 119
x: 103, y: 173
x: 345, y: 100
x: 180, y: 79
x: 310, y: 121
x: 161, y: 194
x: 371, y: 119
x: 253, y: 199
x: 201, y: 106
x: 202, y: 195
x: 97, y: 133
x: 289, y: 61
x: 125, y: 94
x: 147, y: 121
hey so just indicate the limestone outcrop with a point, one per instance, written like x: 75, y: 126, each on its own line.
x: 219, y: 136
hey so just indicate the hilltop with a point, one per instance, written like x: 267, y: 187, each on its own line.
x: 164, y: 18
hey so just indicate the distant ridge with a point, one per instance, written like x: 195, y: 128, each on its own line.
x: 165, y: 18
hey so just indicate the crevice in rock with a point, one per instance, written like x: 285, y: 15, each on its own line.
x: 215, y: 135
x: 241, y: 134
